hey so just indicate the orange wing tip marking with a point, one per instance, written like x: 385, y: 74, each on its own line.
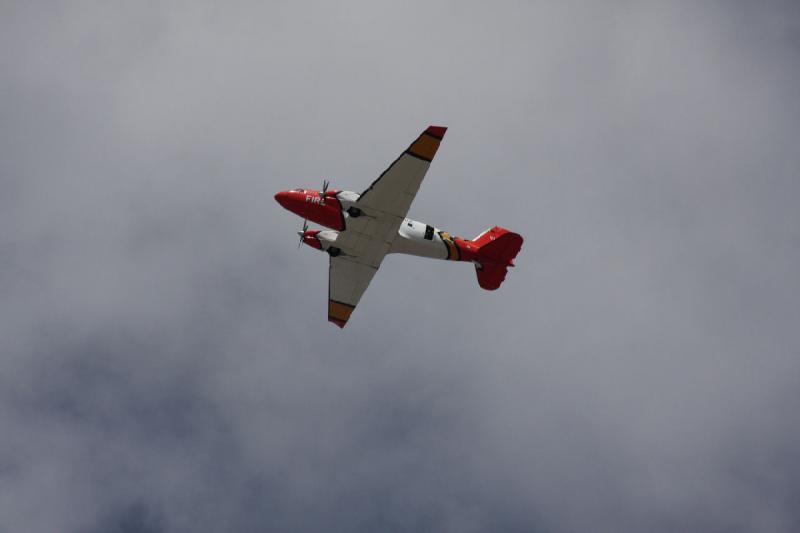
x: 425, y: 147
x: 339, y: 313
x: 436, y: 131
x: 426, y: 144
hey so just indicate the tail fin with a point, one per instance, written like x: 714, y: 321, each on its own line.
x: 497, y: 248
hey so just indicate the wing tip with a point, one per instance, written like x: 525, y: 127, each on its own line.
x: 339, y: 313
x: 436, y: 131
x: 337, y: 322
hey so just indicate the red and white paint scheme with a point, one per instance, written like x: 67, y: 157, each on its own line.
x: 365, y: 227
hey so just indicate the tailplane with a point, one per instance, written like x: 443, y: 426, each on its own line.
x: 496, y: 249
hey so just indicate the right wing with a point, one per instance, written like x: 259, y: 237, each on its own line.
x: 395, y: 189
x: 366, y: 239
x: 385, y: 203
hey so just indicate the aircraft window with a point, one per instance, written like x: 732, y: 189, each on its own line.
x: 410, y: 225
x: 298, y: 190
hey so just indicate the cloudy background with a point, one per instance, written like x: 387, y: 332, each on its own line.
x: 165, y: 360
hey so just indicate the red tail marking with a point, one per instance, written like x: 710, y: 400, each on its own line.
x: 496, y: 250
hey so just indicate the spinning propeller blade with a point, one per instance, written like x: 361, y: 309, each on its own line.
x: 302, y: 233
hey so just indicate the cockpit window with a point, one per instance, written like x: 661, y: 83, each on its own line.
x: 298, y: 190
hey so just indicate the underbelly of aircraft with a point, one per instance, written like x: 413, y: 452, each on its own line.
x: 418, y: 238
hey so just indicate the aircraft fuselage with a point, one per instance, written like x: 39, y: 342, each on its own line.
x: 332, y: 209
x: 364, y: 227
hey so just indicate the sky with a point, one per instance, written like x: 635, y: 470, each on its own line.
x: 165, y: 360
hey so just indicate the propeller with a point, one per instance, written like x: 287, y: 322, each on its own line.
x: 302, y: 233
x: 325, y: 184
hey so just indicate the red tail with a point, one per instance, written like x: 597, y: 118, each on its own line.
x: 497, y: 248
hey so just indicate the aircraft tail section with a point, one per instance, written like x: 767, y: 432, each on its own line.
x: 496, y: 249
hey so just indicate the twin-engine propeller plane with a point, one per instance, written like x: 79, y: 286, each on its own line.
x: 367, y: 226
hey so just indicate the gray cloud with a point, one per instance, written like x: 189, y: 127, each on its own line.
x: 166, y: 364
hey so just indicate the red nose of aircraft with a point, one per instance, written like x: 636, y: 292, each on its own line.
x: 284, y: 198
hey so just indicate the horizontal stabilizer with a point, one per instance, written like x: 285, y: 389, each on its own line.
x: 491, y: 276
x: 497, y: 249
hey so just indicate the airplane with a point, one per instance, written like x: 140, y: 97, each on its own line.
x: 365, y: 227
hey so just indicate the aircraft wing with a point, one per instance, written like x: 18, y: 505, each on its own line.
x: 364, y: 243
x: 367, y: 239
x: 394, y: 190
x: 347, y: 280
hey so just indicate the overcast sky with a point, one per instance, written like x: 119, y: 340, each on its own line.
x: 165, y: 360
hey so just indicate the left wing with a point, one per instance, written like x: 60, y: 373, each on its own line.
x: 347, y: 280
x: 386, y: 202
x: 364, y: 243
x: 366, y: 239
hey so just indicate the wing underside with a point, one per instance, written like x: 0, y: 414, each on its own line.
x: 366, y: 239
x: 347, y: 281
x: 395, y: 189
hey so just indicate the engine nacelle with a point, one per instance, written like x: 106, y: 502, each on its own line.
x: 321, y: 240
